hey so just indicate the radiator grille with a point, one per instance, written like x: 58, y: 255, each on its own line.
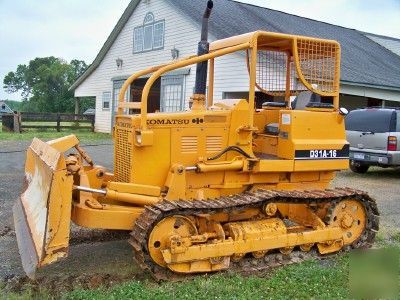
x: 123, y: 155
x: 214, y: 144
x: 189, y: 144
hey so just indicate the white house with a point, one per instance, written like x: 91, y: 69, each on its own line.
x: 151, y: 32
x: 4, y: 108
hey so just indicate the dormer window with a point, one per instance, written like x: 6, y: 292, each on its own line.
x: 149, y: 36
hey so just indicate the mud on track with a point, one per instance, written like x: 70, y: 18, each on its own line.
x: 98, y: 257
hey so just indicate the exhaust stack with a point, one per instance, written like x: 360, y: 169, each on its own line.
x: 201, y: 68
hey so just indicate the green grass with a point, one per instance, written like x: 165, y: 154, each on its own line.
x: 313, y: 279
x: 54, y: 123
x: 83, y: 135
x: 303, y: 281
x: 309, y: 279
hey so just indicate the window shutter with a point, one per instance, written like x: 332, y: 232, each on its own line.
x: 138, y: 39
x: 158, y: 35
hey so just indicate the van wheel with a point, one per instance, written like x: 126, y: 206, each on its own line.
x: 356, y: 167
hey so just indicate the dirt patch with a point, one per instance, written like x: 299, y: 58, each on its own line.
x: 64, y: 283
x: 82, y: 235
x: 97, y: 258
x: 89, y: 265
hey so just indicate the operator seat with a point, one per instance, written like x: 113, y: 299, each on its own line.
x: 304, y: 98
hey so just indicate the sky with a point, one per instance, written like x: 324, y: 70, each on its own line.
x: 72, y: 29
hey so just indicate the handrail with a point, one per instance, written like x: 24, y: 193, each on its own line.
x: 210, y: 94
x: 244, y: 43
x: 176, y: 65
x: 133, y: 77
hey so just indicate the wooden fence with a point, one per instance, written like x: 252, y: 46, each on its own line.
x: 58, y: 121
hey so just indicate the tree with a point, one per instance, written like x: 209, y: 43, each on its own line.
x: 44, y: 83
x: 14, y: 105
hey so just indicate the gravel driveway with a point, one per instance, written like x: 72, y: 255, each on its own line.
x: 88, y: 247
x: 96, y: 252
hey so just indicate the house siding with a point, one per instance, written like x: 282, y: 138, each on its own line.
x: 231, y: 74
x: 370, y: 92
x: 181, y: 33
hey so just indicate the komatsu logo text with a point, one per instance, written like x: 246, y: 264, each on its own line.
x: 168, y: 122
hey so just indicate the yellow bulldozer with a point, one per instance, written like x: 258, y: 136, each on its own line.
x: 225, y: 181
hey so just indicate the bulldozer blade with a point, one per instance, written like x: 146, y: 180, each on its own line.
x: 25, y: 241
x: 42, y: 212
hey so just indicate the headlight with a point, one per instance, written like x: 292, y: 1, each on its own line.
x: 343, y: 111
x: 138, y: 137
x: 143, y: 138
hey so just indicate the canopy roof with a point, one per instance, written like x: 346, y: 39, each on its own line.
x: 271, y: 40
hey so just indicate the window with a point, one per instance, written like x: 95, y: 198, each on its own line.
x: 117, y: 85
x: 172, y: 93
x: 106, y: 100
x: 158, y: 41
x: 138, y: 40
x: 374, y: 120
x: 149, y: 18
x: 149, y: 36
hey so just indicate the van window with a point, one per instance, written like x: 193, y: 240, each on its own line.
x: 373, y: 120
x: 398, y: 122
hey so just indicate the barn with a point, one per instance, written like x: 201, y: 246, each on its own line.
x: 151, y: 32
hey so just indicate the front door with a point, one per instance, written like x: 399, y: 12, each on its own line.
x: 153, y: 100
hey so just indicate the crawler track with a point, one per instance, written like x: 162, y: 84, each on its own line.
x: 152, y: 215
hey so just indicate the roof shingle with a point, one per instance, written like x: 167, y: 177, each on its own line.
x: 363, y: 61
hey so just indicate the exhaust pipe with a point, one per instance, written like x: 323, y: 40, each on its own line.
x: 203, y: 48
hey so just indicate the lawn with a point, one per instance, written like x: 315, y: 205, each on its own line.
x: 301, y: 281
x: 313, y: 279
x: 84, y: 135
x: 309, y: 279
